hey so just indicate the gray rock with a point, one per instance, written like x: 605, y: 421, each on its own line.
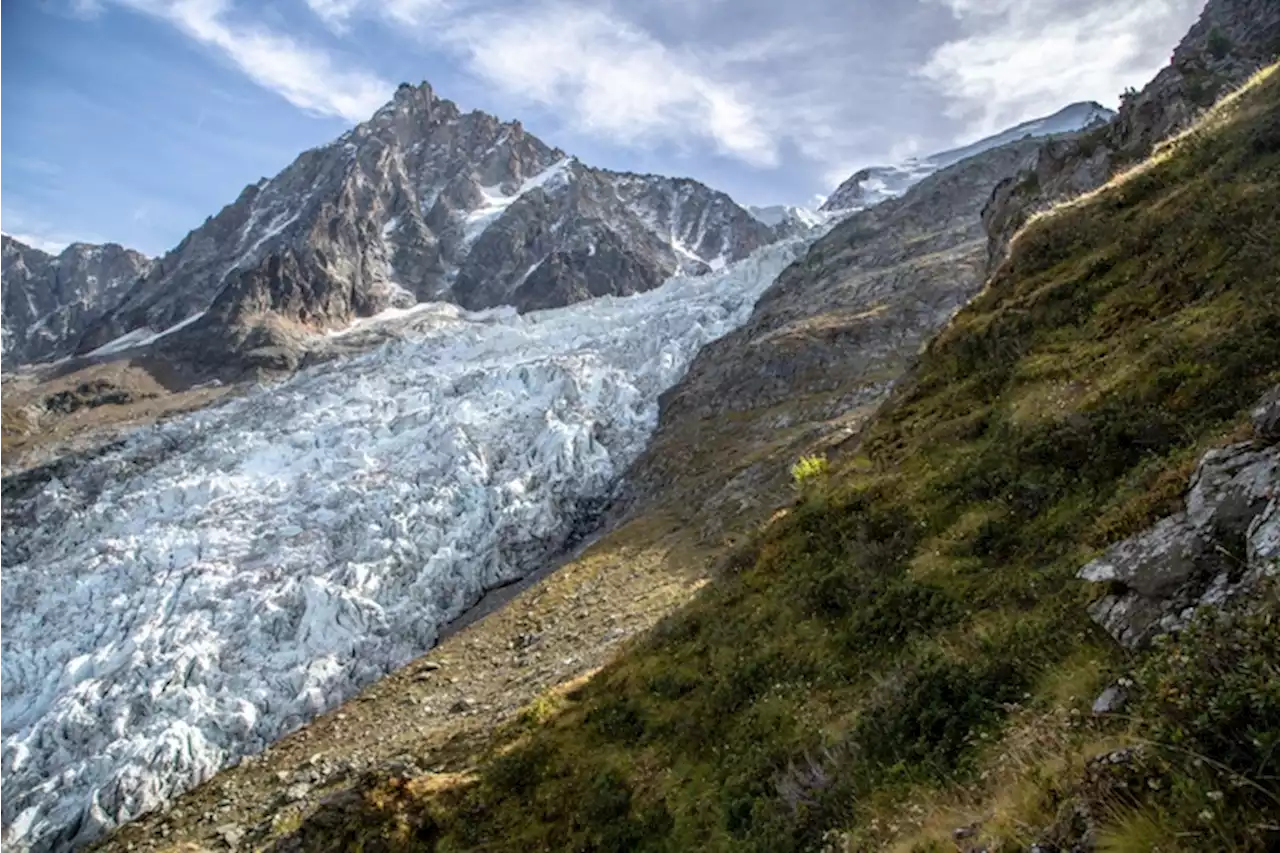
x: 1155, y: 562
x: 1262, y: 540
x: 1159, y: 577
x: 50, y: 300
x: 1110, y: 700
x: 230, y: 834
x: 1230, y: 487
x: 1266, y: 416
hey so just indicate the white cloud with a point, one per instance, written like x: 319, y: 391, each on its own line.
x: 336, y: 13
x: 86, y: 8
x: 1024, y: 58
x: 307, y: 77
x: 612, y: 78
x: 52, y: 245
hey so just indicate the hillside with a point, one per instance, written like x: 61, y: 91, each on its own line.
x: 717, y: 465
x: 904, y: 659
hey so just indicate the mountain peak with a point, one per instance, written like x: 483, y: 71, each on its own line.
x: 423, y: 202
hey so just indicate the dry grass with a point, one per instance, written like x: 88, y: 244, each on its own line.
x: 32, y: 433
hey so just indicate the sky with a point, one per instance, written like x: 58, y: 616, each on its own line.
x: 132, y: 121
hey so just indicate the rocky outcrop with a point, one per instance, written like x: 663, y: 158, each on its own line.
x: 1231, y: 40
x: 825, y: 342
x: 877, y: 183
x: 50, y: 300
x: 424, y: 202
x: 1219, y: 547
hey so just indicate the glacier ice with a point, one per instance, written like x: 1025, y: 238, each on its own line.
x: 217, y: 580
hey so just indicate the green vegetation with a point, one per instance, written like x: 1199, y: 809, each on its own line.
x: 895, y: 642
x: 1208, y: 712
x: 810, y: 473
x: 1218, y: 43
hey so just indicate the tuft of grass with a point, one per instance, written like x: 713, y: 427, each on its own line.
x: 809, y: 472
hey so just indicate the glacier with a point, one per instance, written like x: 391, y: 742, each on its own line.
x: 215, y: 581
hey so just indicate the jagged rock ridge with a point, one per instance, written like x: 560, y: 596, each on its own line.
x: 425, y: 202
x: 49, y: 300
x: 1231, y: 40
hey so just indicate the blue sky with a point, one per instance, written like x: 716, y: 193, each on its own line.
x: 133, y: 120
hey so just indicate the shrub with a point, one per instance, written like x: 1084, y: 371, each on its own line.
x: 809, y: 474
x: 1218, y: 43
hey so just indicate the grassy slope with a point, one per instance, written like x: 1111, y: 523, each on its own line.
x: 907, y: 646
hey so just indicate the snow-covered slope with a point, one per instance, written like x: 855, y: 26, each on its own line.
x: 222, y: 578
x: 875, y: 184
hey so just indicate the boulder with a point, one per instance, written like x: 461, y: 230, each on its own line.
x: 1219, y: 548
x: 1266, y: 417
x: 1230, y: 488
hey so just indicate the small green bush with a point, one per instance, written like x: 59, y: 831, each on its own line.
x: 1219, y: 45
x: 809, y: 473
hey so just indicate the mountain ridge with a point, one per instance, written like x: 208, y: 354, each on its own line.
x: 49, y: 298
x: 876, y: 183
x: 422, y: 203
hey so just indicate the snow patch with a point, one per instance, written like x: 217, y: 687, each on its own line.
x: 496, y: 203
x: 142, y: 337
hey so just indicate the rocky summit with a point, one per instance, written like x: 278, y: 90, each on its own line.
x: 49, y: 300
x: 421, y: 203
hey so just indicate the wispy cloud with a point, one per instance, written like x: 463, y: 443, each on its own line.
x: 336, y: 13
x: 306, y: 76
x: 798, y: 94
x: 1017, y: 59
x: 38, y: 234
x: 45, y: 243
x: 601, y: 71
x: 611, y: 78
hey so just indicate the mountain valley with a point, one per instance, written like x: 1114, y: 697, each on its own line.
x: 444, y: 492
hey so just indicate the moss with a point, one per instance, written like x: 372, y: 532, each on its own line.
x: 866, y: 646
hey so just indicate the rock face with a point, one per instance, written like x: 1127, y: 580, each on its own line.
x: 1220, y: 546
x: 1231, y: 40
x: 826, y: 341
x: 50, y: 300
x: 423, y: 202
x: 869, y: 186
